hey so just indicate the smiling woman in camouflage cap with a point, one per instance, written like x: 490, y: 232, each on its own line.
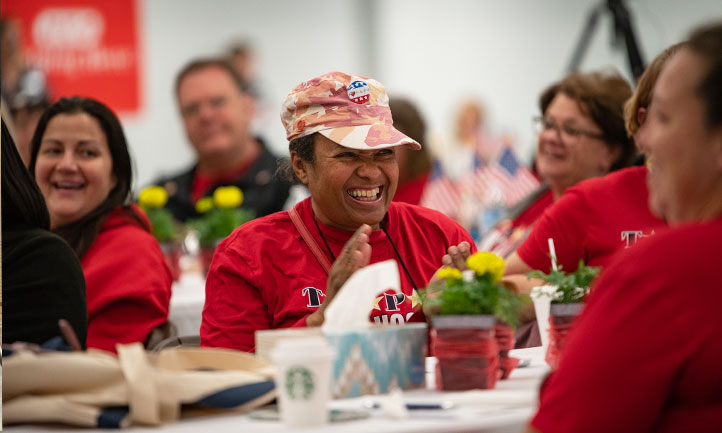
x: 283, y: 270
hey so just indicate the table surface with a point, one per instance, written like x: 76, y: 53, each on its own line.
x: 504, y: 409
x: 186, y: 303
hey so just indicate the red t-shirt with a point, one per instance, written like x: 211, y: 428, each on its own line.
x: 593, y: 220
x: 202, y: 182
x: 264, y: 276
x: 509, y: 234
x: 411, y: 191
x: 534, y: 211
x: 128, y: 284
x: 645, y: 354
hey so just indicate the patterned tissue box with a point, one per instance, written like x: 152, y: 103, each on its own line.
x: 369, y: 361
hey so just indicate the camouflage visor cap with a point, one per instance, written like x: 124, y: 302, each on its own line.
x: 350, y: 110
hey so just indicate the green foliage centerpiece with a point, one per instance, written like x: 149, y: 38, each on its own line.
x: 472, y: 323
x: 478, y: 291
x: 567, y: 293
x: 221, y: 214
x: 152, y: 200
x: 570, y: 288
x: 163, y: 226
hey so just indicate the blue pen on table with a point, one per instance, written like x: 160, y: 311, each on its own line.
x: 415, y: 406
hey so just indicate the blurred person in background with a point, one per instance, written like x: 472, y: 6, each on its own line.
x: 217, y: 112
x: 470, y: 138
x: 42, y: 281
x: 80, y: 161
x: 414, y: 165
x: 644, y: 355
x: 26, y: 119
x: 242, y: 57
x: 595, y: 218
x: 24, y: 89
x: 478, y: 176
x: 470, y: 147
x: 581, y: 136
x: 12, y: 62
x: 284, y: 270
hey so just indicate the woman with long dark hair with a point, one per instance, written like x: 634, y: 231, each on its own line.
x: 42, y: 278
x: 80, y: 160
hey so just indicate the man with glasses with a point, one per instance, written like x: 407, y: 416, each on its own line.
x: 217, y: 113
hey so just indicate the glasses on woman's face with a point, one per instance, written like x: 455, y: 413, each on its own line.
x: 565, y: 131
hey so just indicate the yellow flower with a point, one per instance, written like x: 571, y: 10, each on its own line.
x: 228, y: 196
x: 153, y: 196
x: 485, y: 262
x: 449, y: 273
x: 204, y: 204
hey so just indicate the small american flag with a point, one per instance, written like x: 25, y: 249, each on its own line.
x: 441, y: 193
x: 518, y: 180
x: 506, y: 175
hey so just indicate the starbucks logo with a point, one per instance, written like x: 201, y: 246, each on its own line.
x: 299, y: 383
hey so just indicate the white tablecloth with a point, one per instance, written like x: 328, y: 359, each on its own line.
x: 504, y: 409
x: 186, y: 303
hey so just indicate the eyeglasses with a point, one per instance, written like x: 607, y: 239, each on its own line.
x: 542, y: 124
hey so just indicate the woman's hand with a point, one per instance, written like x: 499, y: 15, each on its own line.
x: 355, y: 255
x: 456, y: 256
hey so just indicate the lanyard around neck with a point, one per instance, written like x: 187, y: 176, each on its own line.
x: 383, y: 227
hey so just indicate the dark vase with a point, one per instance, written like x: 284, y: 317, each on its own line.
x: 206, y: 255
x: 172, y: 252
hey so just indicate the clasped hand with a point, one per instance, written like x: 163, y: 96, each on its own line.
x: 355, y: 255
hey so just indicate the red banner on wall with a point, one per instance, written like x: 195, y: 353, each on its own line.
x: 84, y: 47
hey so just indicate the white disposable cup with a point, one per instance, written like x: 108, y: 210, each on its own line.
x: 542, y: 297
x: 303, y: 380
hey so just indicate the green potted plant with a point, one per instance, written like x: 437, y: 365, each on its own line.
x: 163, y: 226
x: 568, y: 292
x: 221, y: 214
x: 466, y: 308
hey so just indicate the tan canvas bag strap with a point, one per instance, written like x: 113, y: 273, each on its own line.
x: 147, y: 406
x: 310, y: 241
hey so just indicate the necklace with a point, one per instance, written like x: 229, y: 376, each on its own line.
x: 383, y: 227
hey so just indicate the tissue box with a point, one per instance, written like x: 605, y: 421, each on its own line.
x: 374, y: 360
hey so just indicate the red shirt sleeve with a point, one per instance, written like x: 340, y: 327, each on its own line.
x: 625, y: 352
x: 128, y: 287
x: 234, y: 307
x: 566, y: 222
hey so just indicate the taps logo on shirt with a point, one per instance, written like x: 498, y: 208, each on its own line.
x: 313, y: 295
x: 631, y: 237
x: 393, y: 300
x: 393, y: 313
x: 388, y: 304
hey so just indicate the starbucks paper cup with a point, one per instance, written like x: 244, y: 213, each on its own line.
x: 303, y: 380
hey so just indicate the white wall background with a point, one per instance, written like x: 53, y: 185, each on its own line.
x: 436, y: 52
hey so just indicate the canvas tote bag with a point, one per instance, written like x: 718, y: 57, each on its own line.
x: 98, y: 389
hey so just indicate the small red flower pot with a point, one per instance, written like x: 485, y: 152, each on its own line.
x: 504, y: 335
x: 466, y: 351
x: 561, y: 320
